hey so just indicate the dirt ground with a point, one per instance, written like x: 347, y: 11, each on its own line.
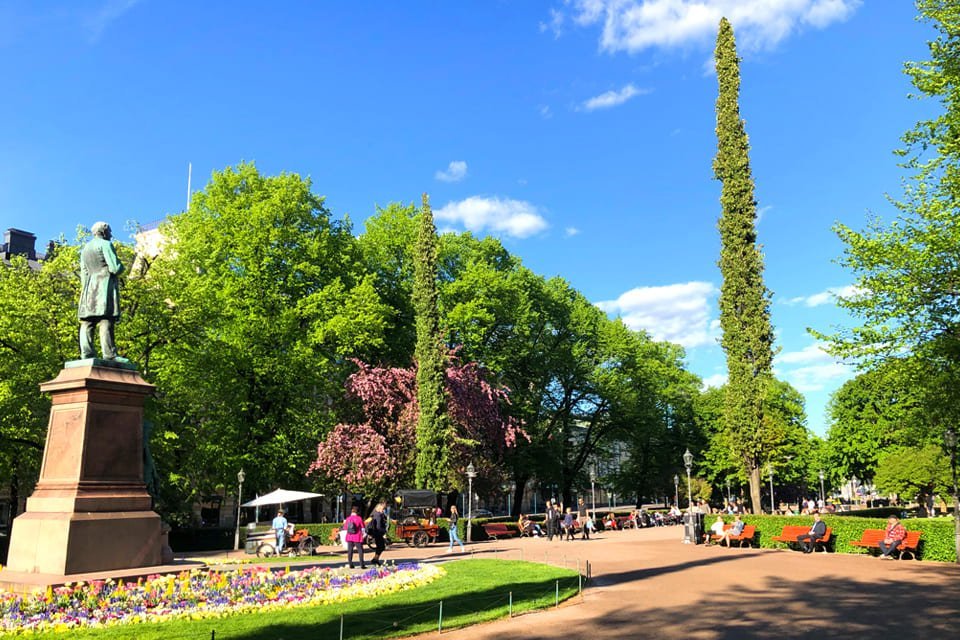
x: 647, y: 583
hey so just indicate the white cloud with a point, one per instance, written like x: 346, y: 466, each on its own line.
x: 636, y: 25
x: 512, y: 217
x: 612, y: 98
x: 810, y: 354
x: 827, y: 296
x: 455, y: 172
x: 762, y: 211
x: 110, y: 11
x: 555, y: 24
x: 678, y: 313
x: 816, y: 377
x: 545, y: 112
x: 716, y: 380
x: 571, y: 231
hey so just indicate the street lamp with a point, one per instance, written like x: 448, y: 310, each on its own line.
x: 471, y: 474
x: 823, y: 495
x: 593, y: 494
x: 241, y: 476
x: 676, y: 490
x: 950, y: 439
x: 728, y: 491
x: 773, y: 508
x: 509, y: 488
x: 688, y: 463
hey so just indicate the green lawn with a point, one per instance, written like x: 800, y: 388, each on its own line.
x: 472, y: 591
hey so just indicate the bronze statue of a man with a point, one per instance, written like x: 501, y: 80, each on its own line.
x: 100, y: 293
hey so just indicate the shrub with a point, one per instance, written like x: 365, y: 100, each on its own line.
x: 937, y: 542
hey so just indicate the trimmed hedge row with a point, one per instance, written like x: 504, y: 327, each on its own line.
x: 937, y: 542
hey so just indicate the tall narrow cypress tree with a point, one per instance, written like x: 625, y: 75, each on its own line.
x: 433, y: 432
x: 747, y: 337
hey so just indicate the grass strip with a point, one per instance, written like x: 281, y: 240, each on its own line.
x: 473, y: 591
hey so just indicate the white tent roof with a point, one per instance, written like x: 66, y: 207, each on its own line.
x: 281, y: 496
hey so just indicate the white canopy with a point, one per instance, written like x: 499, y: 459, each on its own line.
x: 281, y: 496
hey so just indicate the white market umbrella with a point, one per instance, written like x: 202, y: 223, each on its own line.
x: 281, y: 496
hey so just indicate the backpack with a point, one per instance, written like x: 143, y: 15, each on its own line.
x: 351, y: 526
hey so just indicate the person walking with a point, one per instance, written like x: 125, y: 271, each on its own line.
x: 353, y: 525
x: 454, y: 533
x: 553, y: 518
x: 279, y: 526
x: 582, y: 518
x: 568, y: 524
x: 377, y: 529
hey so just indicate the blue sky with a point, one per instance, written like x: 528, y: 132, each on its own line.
x: 579, y: 132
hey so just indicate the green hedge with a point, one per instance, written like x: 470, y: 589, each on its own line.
x: 937, y: 542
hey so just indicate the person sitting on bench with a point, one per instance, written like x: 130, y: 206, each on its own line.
x: 809, y: 539
x: 892, y: 539
x: 735, y: 530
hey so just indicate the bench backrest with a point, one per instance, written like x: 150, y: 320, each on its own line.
x: 748, y: 532
x: 872, y: 536
x: 791, y: 531
x: 912, y: 539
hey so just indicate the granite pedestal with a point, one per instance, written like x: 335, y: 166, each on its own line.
x: 90, y: 511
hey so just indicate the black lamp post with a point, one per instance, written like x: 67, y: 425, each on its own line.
x: 471, y: 474
x: 688, y: 463
x: 593, y: 494
x: 241, y: 476
x: 950, y: 439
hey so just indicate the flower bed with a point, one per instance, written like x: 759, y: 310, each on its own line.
x: 199, y: 594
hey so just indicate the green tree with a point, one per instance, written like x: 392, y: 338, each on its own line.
x: 747, y: 338
x: 784, y: 437
x: 906, y: 272
x: 38, y: 333
x: 434, y: 432
x: 875, y: 411
x: 245, y: 322
x: 914, y: 473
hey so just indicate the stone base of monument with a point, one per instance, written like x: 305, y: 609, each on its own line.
x: 90, y: 512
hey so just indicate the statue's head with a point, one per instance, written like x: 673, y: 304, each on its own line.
x: 101, y: 230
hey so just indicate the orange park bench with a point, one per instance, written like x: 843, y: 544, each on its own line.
x: 495, y: 530
x: 746, y: 536
x: 870, y: 539
x: 790, y: 533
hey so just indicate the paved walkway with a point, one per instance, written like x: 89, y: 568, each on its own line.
x: 647, y: 584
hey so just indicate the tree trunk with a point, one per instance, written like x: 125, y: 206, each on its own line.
x: 518, y: 497
x: 755, y: 481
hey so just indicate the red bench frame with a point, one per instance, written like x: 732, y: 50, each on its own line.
x: 870, y: 539
x: 791, y: 531
x: 746, y: 536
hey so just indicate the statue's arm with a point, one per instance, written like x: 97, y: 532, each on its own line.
x: 113, y: 262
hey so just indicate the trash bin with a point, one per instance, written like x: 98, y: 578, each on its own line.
x: 692, y: 528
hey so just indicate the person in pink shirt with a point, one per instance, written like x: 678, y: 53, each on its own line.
x: 892, y: 539
x: 353, y: 525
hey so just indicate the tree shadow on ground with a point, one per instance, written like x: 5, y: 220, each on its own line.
x: 836, y: 607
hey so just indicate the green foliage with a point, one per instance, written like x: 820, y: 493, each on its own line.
x: 906, y: 271
x: 936, y: 543
x: 914, y: 473
x: 434, y: 432
x: 244, y: 322
x: 747, y: 338
x: 38, y: 332
x: 790, y: 446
